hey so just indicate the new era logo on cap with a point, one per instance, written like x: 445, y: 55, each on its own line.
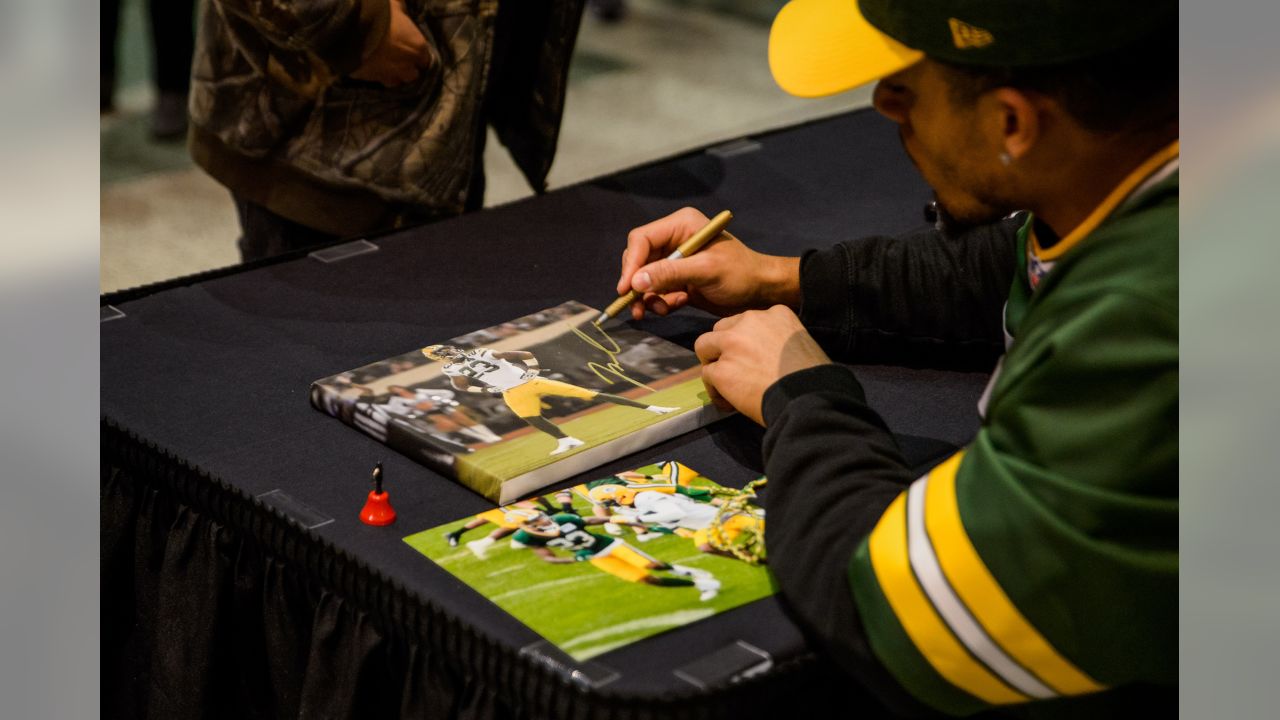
x: 967, y: 36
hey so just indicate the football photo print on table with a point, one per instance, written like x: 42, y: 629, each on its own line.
x: 608, y: 562
x: 512, y: 408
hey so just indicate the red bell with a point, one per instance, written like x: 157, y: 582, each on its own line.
x: 377, y: 509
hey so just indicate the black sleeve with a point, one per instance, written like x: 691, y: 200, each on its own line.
x: 833, y: 468
x: 927, y: 298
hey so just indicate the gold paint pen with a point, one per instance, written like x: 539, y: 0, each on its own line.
x: 687, y: 248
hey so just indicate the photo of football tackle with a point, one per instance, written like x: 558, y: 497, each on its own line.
x: 623, y: 557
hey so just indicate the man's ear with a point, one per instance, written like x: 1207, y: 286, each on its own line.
x: 1020, y: 119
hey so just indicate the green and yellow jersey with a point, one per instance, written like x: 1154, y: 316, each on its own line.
x: 670, y: 477
x: 572, y: 535
x: 510, y: 517
x: 610, y: 555
x: 1040, y: 561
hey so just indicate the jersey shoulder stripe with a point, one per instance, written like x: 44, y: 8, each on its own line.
x: 921, y: 621
x: 950, y: 607
x: 982, y: 593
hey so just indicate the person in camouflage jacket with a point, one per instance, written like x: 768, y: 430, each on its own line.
x: 296, y: 109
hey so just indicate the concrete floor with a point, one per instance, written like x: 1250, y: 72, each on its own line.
x: 671, y: 76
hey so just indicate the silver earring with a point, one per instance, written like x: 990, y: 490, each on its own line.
x: 1006, y: 159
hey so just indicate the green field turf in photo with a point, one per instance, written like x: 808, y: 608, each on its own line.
x: 581, y: 609
x: 606, y: 421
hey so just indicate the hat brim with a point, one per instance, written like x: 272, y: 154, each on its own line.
x: 823, y: 47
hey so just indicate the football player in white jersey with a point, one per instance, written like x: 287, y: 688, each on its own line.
x: 671, y: 511
x: 513, y: 374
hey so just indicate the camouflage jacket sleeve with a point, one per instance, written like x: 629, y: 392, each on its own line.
x: 342, y: 33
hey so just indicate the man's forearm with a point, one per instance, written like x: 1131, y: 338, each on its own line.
x: 833, y: 468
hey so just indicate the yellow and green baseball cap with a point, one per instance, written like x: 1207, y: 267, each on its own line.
x: 822, y: 47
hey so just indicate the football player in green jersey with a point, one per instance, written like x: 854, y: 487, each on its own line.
x: 1037, y: 566
x: 621, y: 490
x: 568, y: 532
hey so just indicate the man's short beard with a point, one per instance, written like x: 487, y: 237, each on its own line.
x: 963, y: 215
x: 972, y: 208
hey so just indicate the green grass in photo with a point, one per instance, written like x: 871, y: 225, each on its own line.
x: 581, y: 609
x: 488, y: 467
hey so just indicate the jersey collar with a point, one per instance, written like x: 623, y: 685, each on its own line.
x: 1151, y: 171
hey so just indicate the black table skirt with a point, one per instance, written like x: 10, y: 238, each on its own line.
x: 217, y: 605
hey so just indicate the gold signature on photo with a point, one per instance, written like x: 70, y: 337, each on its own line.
x: 613, y: 367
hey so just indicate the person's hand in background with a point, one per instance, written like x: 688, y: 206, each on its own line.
x: 401, y: 55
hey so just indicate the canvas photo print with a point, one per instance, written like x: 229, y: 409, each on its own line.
x: 606, y: 563
x: 502, y: 402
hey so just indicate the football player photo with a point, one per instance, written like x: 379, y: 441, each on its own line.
x: 511, y: 408
x: 660, y: 496
x: 516, y: 376
x: 602, y: 564
x: 568, y: 532
x: 507, y: 520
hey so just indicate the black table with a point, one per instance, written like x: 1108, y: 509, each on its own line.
x: 216, y: 603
